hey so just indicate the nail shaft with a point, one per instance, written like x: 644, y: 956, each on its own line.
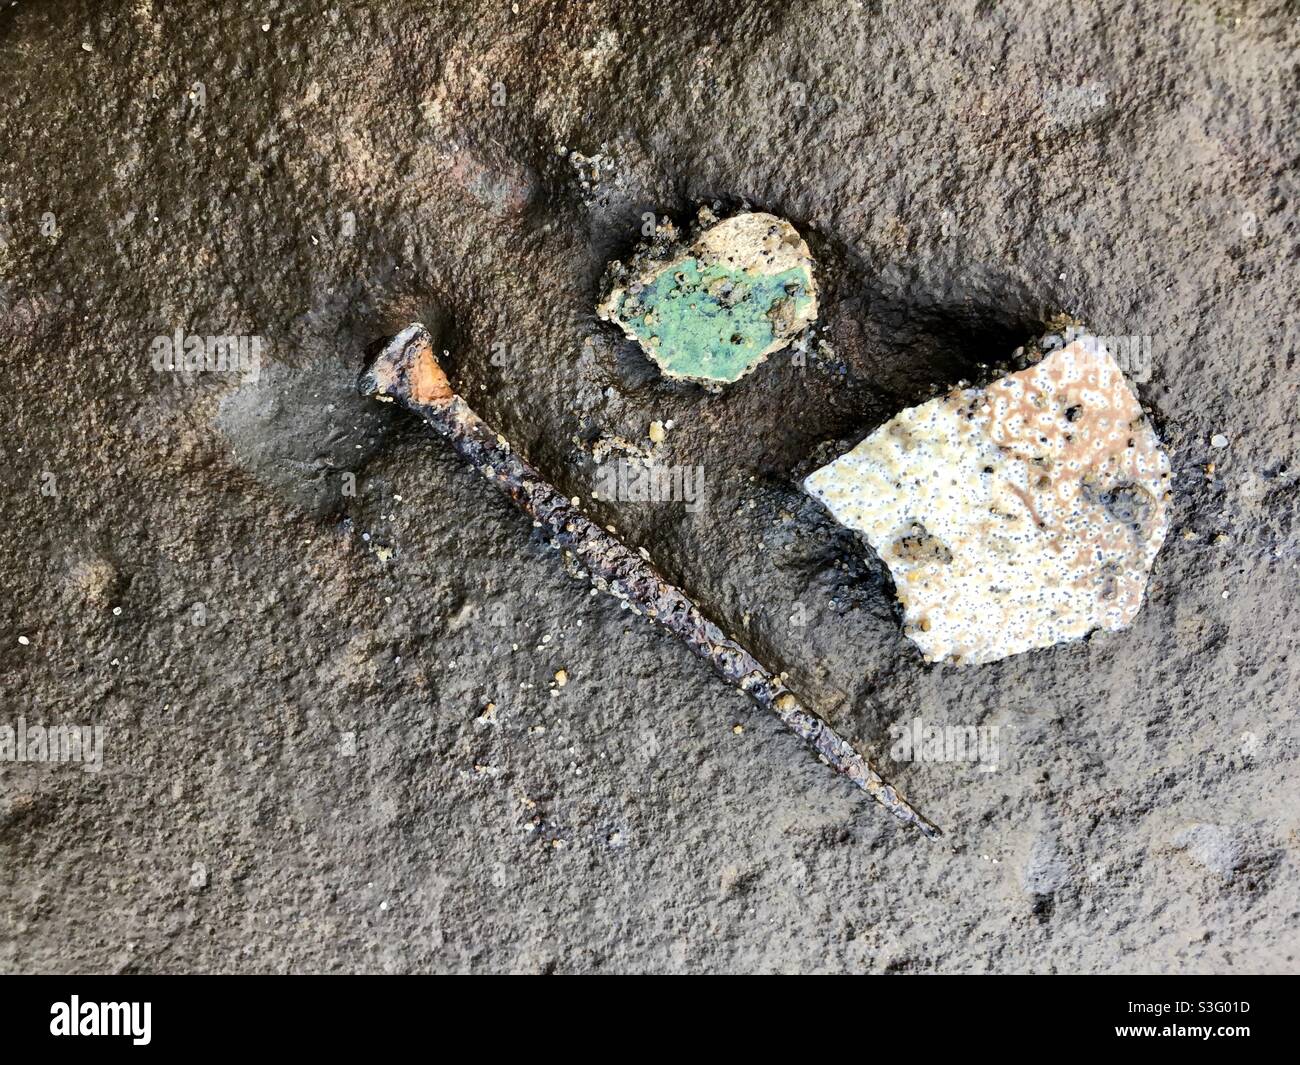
x: 407, y: 372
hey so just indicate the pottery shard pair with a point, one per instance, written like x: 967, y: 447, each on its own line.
x: 1011, y: 517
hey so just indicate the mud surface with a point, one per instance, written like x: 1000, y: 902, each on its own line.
x: 288, y: 609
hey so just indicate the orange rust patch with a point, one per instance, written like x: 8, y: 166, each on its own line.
x: 428, y: 384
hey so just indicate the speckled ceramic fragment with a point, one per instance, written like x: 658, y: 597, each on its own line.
x: 1014, y: 516
x: 714, y: 310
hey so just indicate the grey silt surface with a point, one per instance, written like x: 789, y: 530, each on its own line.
x: 315, y: 737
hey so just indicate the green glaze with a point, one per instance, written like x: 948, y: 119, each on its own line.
x: 710, y: 322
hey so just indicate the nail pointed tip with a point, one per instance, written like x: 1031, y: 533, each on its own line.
x: 928, y: 828
x: 904, y: 811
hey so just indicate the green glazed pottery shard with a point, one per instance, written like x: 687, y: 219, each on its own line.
x: 712, y: 310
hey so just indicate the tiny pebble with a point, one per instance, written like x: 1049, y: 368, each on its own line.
x: 1218, y: 440
x: 24, y: 640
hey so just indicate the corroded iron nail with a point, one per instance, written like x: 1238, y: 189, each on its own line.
x: 407, y: 372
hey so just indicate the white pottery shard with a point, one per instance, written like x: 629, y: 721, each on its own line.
x: 1014, y: 516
